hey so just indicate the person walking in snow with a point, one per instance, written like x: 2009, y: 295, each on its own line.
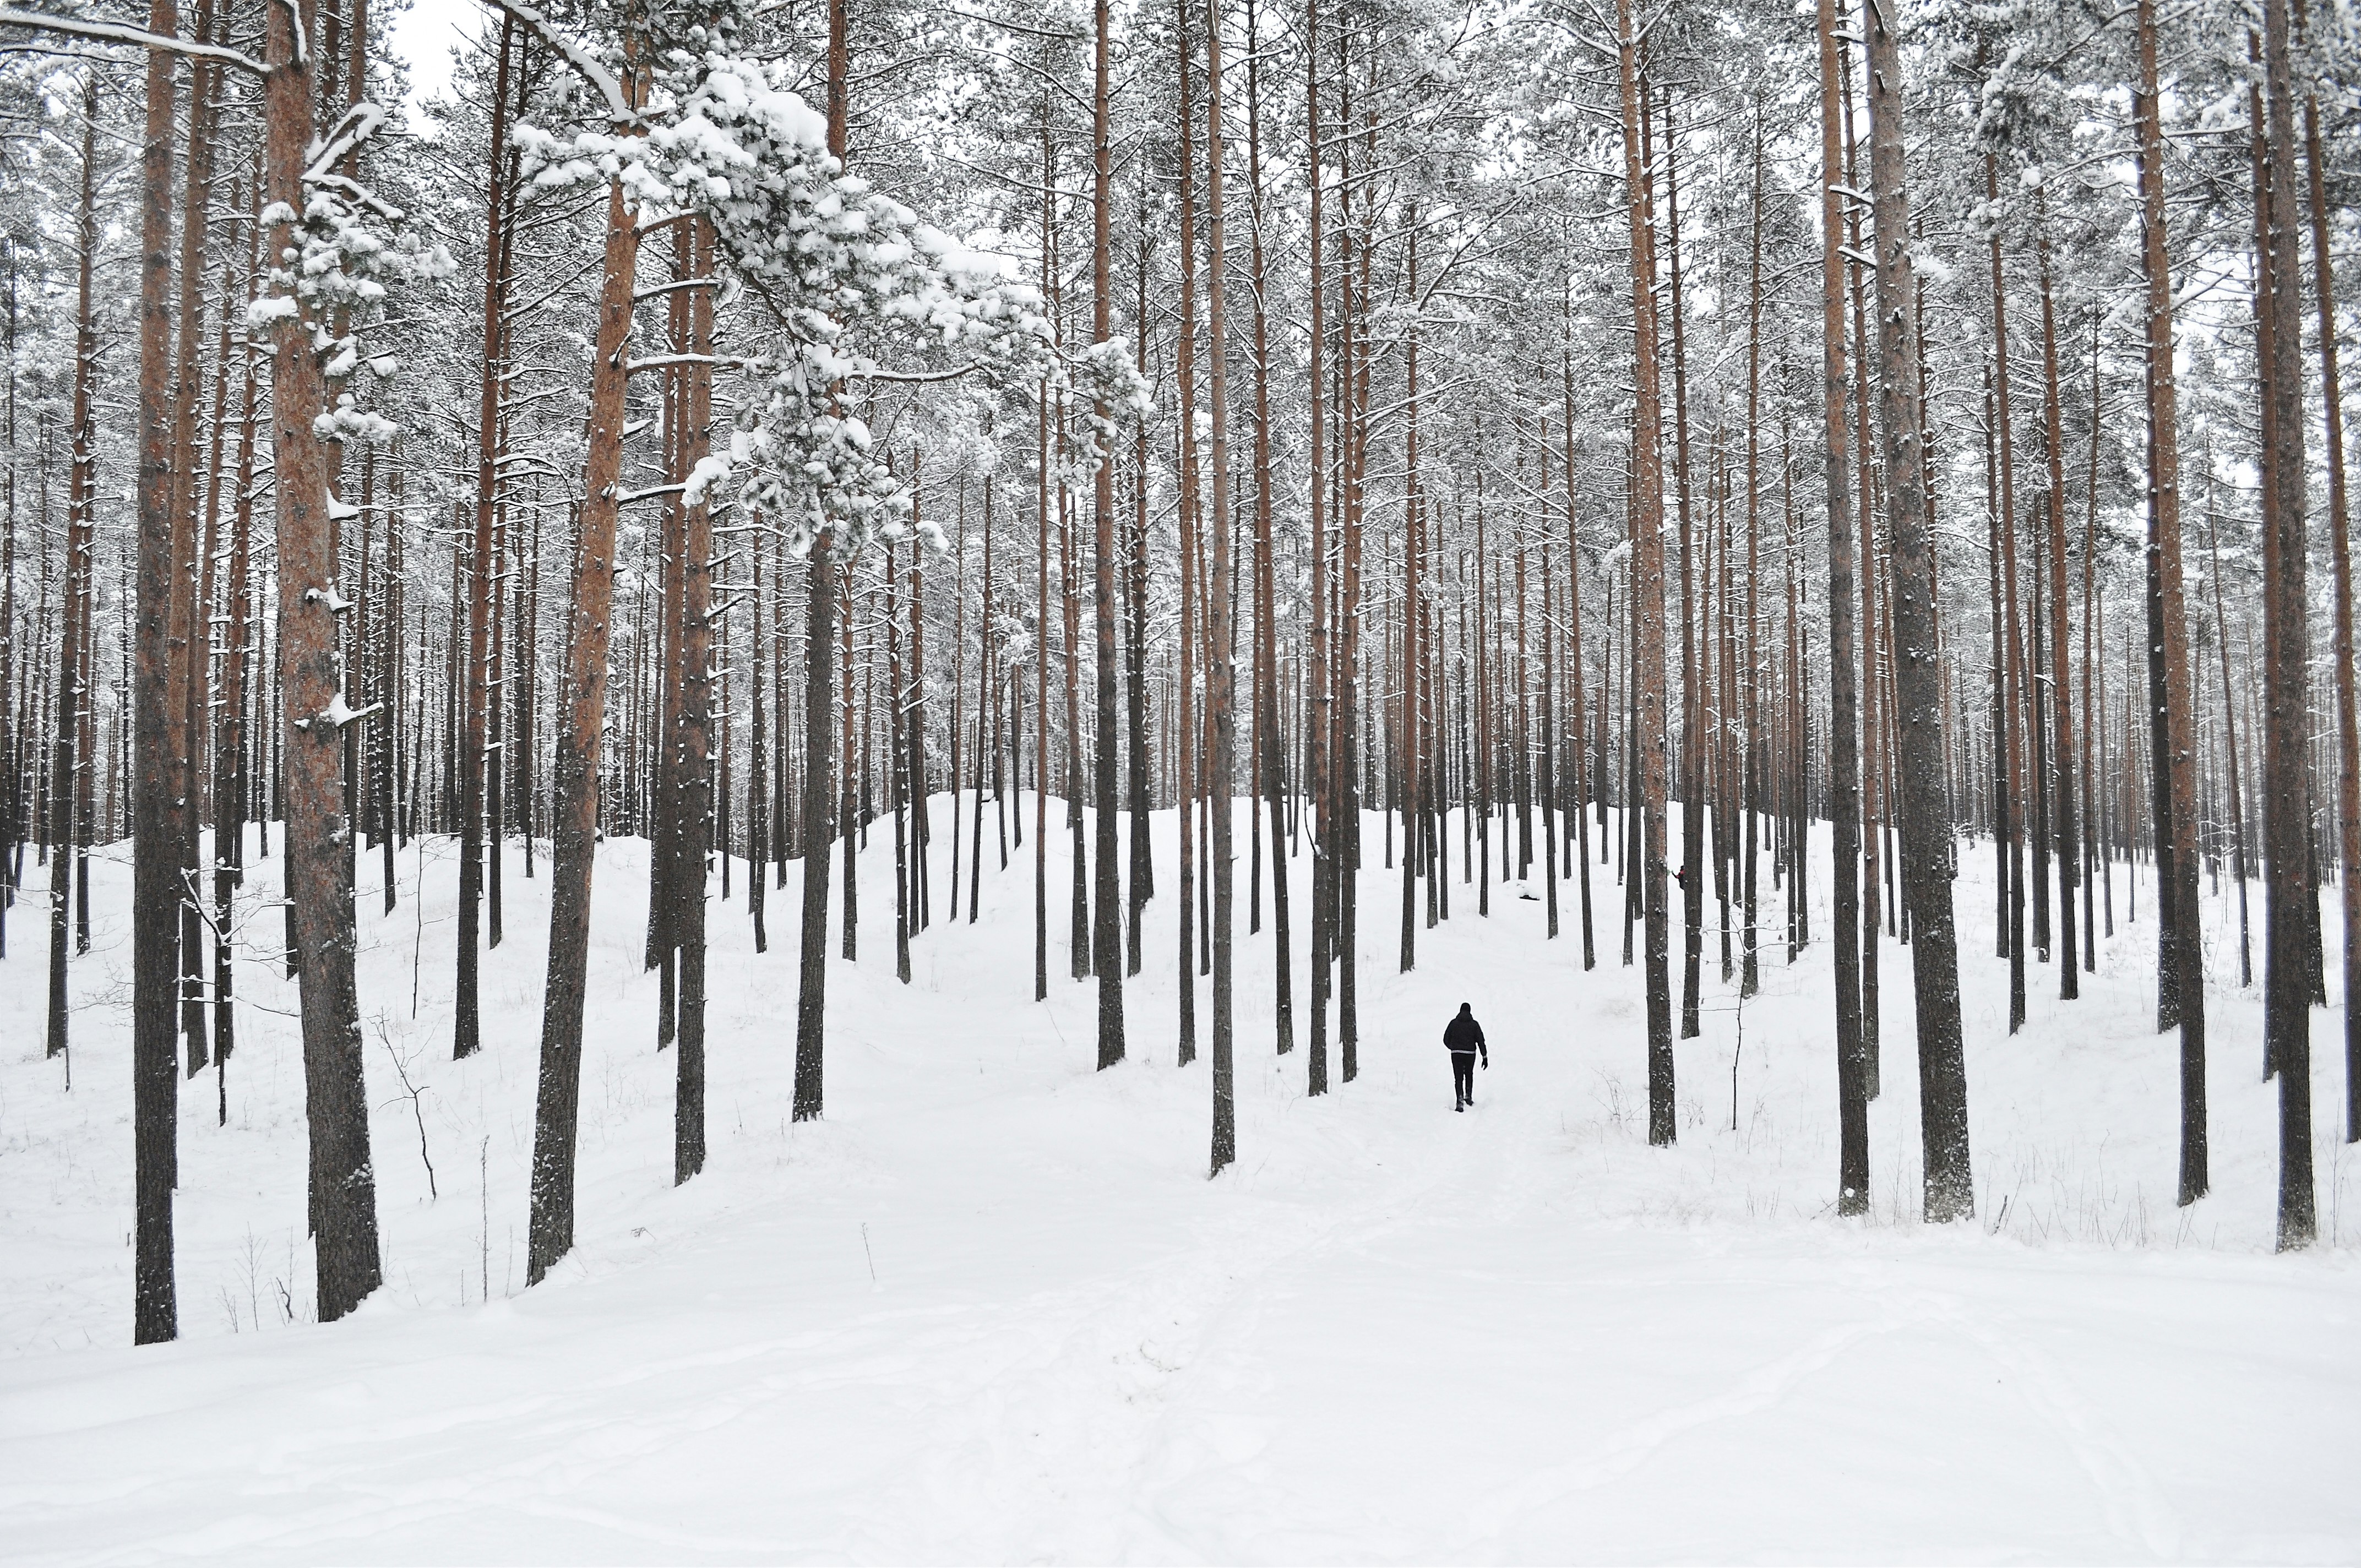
x: 1464, y: 1038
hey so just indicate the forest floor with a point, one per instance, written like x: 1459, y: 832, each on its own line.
x: 990, y: 1308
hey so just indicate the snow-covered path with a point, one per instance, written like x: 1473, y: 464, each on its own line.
x: 1389, y: 1333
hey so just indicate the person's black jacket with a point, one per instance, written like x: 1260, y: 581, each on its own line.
x: 1463, y: 1032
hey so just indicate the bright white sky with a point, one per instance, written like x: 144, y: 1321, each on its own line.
x: 423, y: 37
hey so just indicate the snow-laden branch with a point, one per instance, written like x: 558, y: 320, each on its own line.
x: 336, y: 265
x: 834, y: 259
x: 119, y: 33
x: 358, y: 124
x: 672, y: 361
x: 843, y: 268
x: 338, y: 713
x: 585, y: 65
x: 1114, y: 390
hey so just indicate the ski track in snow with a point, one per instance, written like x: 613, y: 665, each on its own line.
x: 1389, y: 1333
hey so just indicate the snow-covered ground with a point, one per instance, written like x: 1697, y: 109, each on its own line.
x: 990, y: 1308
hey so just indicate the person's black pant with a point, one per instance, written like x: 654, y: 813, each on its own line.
x: 1463, y: 1078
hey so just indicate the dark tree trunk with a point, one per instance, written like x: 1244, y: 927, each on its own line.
x: 574, y: 809
x: 1041, y: 662
x: 154, y: 819
x: 1583, y: 775
x: 1949, y: 1192
x: 191, y: 611
x: 1272, y: 752
x: 74, y: 601
x: 818, y: 825
x: 1751, y: 704
x: 2290, y: 904
x: 914, y: 722
x: 1222, y: 692
x: 2061, y: 686
x: 1349, y: 757
x: 2348, y: 728
x: 1318, y: 781
x: 1409, y: 728
x: 1185, y: 376
x: 233, y: 771
x: 1861, y: 668
x: 317, y: 850
x: 1844, y: 781
x: 819, y: 695
x: 1693, y: 800
x: 691, y: 747
x: 467, y: 1033
x: 1142, y: 793
x: 1650, y: 733
x: 2180, y: 951
x: 758, y: 780
x: 1106, y: 939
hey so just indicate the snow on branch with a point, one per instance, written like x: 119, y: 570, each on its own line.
x: 338, y: 714
x: 337, y: 263
x: 837, y: 262
x: 671, y: 361
x: 119, y: 33
x: 847, y: 274
x: 584, y: 65
x: 1114, y: 390
x: 359, y: 123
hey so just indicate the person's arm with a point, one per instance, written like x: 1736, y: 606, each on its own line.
x: 1483, y: 1053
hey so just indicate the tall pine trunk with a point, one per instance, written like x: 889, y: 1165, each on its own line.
x: 1949, y: 1192
x: 467, y: 1028
x: 574, y: 808
x: 2173, y: 767
x: 1693, y: 799
x: 1583, y: 775
x: 75, y: 602
x: 155, y: 817
x: 818, y: 826
x: 2290, y: 904
x: 1186, y: 724
x: 1751, y: 705
x: 1271, y: 786
x: 1221, y: 694
x: 1648, y: 737
x: 2019, y: 783
x: 1317, y: 781
x: 2348, y: 728
x: 191, y: 632
x: 1844, y: 767
x: 1106, y: 939
x: 2061, y: 686
x: 692, y: 746
x: 317, y: 847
